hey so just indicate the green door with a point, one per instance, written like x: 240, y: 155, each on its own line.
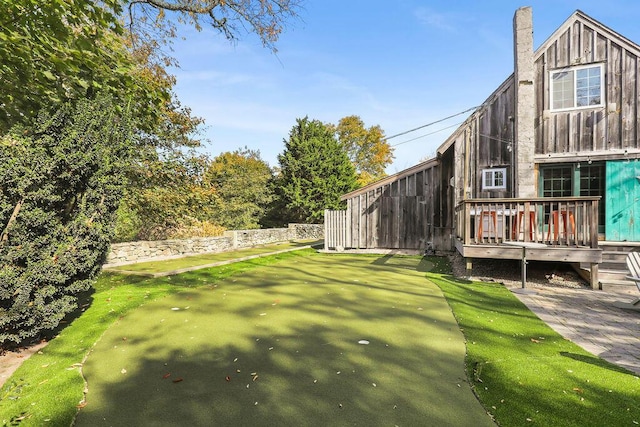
x: 623, y: 201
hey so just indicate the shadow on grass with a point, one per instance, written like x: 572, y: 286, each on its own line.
x: 283, y: 345
x: 524, y: 372
x: 84, y: 300
x: 595, y: 361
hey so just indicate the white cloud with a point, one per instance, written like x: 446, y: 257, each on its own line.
x: 246, y: 116
x: 439, y: 21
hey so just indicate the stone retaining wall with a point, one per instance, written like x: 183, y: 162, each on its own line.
x: 132, y: 252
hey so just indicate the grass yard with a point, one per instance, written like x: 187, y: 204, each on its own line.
x: 345, y: 340
x: 527, y: 374
x: 48, y: 388
x: 280, y: 340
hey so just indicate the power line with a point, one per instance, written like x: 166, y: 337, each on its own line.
x: 505, y: 141
x: 427, y: 134
x: 432, y: 123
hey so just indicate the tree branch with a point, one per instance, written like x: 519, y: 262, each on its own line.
x: 182, y: 6
x: 12, y: 219
x: 266, y: 18
x: 95, y: 213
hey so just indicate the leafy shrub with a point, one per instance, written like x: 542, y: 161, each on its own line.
x: 61, y: 184
x: 197, y: 228
x: 127, y: 225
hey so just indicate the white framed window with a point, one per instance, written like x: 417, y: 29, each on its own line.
x: 494, y: 179
x: 577, y: 87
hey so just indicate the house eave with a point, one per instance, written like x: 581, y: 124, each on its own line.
x: 452, y: 138
x: 599, y: 28
x: 427, y: 164
x: 618, y: 154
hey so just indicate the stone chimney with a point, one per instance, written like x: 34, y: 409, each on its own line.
x: 525, y: 179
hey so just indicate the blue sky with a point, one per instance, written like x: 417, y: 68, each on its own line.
x: 399, y: 64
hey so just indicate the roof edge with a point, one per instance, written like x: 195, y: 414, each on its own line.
x: 599, y: 26
x: 451, y: 139
x: 427, y: 164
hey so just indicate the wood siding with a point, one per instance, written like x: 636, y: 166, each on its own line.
x: 493, y: 147
x: 484, y: 141
x: 614, y: 126
x: 337, y: 231
x: 400, y: 214
x: 415, y: 209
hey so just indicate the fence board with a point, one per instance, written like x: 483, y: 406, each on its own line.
x: 336, y: 229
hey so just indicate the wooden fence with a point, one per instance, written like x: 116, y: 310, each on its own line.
x: 337, y: 233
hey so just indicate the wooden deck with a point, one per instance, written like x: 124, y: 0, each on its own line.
x: 563, y: 229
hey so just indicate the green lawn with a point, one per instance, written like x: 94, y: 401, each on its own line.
x: 526, y: 373
x: 285, y: 330
x: 280, y: 345
x: 47, y: 388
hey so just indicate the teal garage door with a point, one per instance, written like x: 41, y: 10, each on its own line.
x: 623, y: 201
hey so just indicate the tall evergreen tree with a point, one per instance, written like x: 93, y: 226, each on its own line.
x: 315, y: 171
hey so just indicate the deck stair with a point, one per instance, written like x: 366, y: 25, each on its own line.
x: 613, y: 269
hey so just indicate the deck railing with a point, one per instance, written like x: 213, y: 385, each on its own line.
x: 563, y: 221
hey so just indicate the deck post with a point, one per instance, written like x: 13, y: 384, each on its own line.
x: 593, y: 226
x: 594, y: 276
x: 467, y: 224
x: 523, y: 268
x: 469, y: 264
x: 527, y: 232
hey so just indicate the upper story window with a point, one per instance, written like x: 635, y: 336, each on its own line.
x: 493, y: 179
x: 577, y: 87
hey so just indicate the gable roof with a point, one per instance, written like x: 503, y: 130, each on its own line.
x: 579, y: 16
x: 391, y: 178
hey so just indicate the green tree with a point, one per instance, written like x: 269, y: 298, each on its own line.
x: 241, y: 180
x: 61, y: 184
x: 62, y: 176
x: 55, y: 51
x: 367, y: 148
x: 314, y: 172
x: 52, y: 52
x: 168, y: 196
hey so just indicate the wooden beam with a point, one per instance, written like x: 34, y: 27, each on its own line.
x: 595, y: 281
x: 550, y: 253
x: 613, y: 154
x: 594, y: 224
